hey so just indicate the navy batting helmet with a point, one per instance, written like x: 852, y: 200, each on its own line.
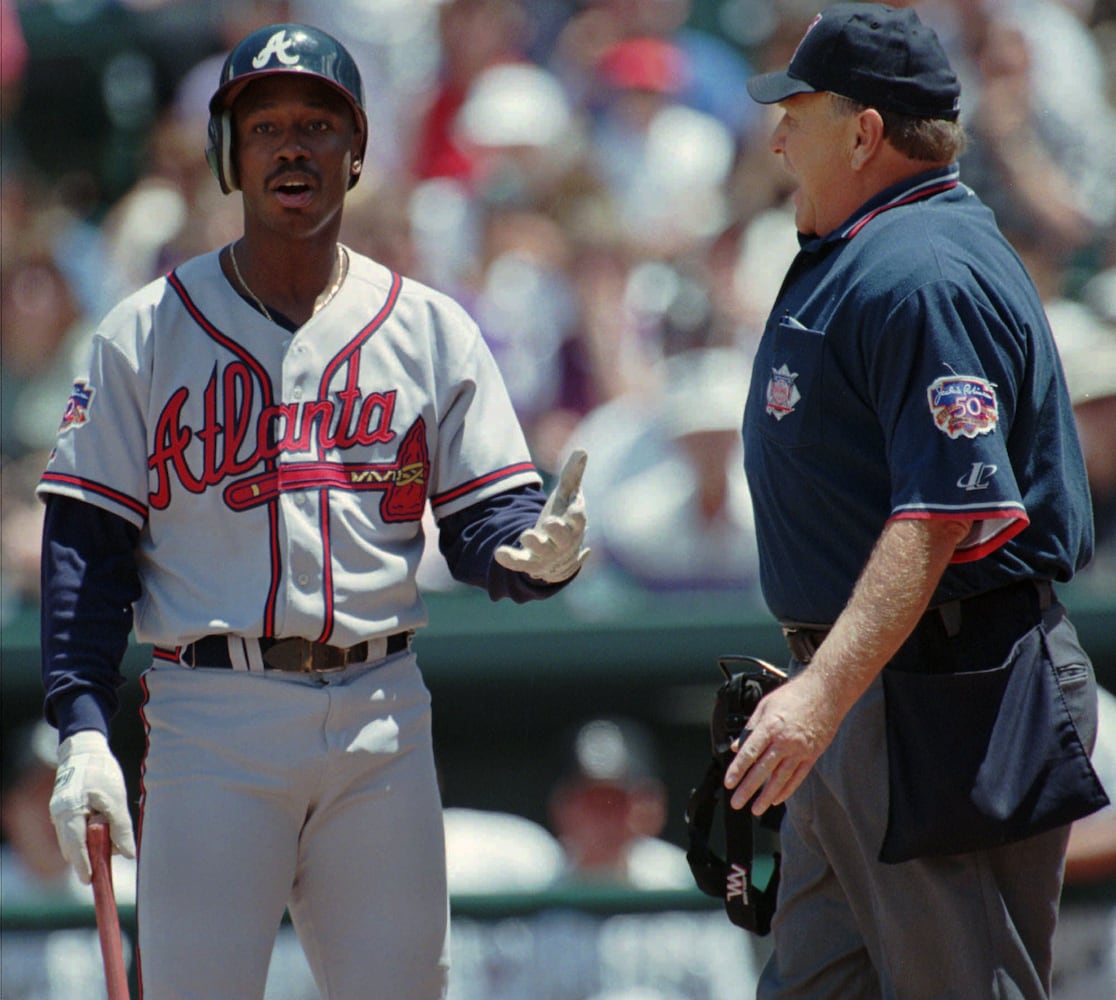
x: 280, y: 48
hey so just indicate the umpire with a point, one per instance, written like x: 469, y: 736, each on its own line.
x: 918, y: 489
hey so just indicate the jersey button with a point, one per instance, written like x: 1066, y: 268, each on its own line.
x: 296, y: 393
x: 303, y: 579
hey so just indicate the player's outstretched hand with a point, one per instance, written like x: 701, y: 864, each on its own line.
x: 89, y: 780
x: 551, y: 551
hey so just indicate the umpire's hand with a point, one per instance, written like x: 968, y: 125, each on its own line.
x: 551, y: 551
x: 787, y: 733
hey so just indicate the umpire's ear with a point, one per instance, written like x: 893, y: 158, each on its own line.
x: 867, y: 138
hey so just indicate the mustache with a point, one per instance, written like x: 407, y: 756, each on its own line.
x: 293, y: 170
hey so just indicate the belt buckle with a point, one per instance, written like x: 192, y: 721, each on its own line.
x: 302, y: 656
x: 803, y: 641
x: 309, y: 652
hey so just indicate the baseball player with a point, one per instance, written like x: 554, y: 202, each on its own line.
x: 919, y: 490
x: 240, y: 476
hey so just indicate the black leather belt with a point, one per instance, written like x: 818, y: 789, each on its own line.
x: 1027, y: 599
x: 296, y: 655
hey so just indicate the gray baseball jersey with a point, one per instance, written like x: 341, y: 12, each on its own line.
x: 192, y: 432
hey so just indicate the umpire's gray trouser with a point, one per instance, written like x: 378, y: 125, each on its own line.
x: 968, y: 927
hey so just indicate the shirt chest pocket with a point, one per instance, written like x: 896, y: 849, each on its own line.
x: 791, y: 402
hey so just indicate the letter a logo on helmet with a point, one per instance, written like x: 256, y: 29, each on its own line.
x: 279, y: 48
x: 278, y: 45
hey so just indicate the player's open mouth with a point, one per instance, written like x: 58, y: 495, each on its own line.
x: 293, y: 193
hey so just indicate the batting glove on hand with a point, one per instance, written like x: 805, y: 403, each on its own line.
x: 551, y: 551
x: 89, y: 780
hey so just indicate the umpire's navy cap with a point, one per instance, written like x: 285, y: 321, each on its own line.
x: 884, y: 57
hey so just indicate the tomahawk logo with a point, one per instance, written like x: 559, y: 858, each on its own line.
x: 736, y: 883
x: 277, y: 45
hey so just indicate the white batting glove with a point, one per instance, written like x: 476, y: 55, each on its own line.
x: 89, y: 780
x: 551, y: 551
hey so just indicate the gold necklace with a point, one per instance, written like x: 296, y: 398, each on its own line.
x: 342, y: 271
x: 244, y: 284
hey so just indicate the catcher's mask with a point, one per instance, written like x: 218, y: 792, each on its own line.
x: 279, y: 48
x: 730, y: 878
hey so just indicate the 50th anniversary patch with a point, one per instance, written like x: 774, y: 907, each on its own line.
x: 963, y: 405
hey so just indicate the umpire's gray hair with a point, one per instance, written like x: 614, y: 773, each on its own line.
x: 932, y: 139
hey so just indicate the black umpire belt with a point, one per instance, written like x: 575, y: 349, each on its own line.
x: 294, y: 655
x: 1010, y: 610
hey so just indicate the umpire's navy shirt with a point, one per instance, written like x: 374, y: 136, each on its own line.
x: 907, y: 370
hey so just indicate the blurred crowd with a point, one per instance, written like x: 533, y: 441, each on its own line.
x: 589, y: 177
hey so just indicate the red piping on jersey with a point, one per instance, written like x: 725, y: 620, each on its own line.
x: 327, y: 566
x: 266, y: 392
x: 915, y: 196
x: 225, y: 341
x: 100, y: 489
x: 1016, y: 522
x: 142, y: 802
x: 350, y: 349
x: 357, y: 342
x: 475, y: 484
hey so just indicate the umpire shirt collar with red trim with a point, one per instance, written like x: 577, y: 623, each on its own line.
x: 912, y: 189
x: 923, y: 185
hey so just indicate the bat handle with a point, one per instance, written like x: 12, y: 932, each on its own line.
x: 104, y: 901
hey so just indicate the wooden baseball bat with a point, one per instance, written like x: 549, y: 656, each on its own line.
x: 104, y: 901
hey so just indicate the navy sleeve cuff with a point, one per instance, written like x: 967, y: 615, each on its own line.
x: 82, y: 711
x: 468, y: 540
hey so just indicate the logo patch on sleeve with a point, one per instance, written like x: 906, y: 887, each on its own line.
x: 963, y: 405
x: 77, y: 406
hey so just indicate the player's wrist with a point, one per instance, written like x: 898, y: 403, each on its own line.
x: 79, y: 712
x: 83, y: 741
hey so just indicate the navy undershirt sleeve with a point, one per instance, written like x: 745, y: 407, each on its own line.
x: 89, y: 584
x: 469, y: 538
